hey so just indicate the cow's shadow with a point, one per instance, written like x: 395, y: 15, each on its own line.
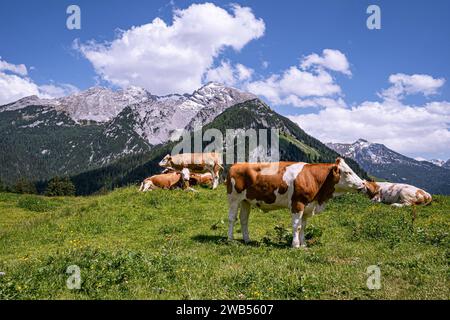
x: 222, y: 240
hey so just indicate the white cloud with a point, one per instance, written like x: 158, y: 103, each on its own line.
x: 14, y: 85
x: 57, y: 91
x: 291, y: 87
x: 331, y: 59
x: 411, y: 130
x: 223, y: 74
x: 228, y: 74
x: 303, y: 85
x: 174, y: 58
x: 243, y: 73
x: 403, y: 84
x: 19, y: 69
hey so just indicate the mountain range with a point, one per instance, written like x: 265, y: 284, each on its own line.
x: 384, y: 163
x: 42, y: 138
x: 294, y: 145
x: 103, y: 138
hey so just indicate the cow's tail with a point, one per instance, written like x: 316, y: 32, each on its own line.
x: 141, y: 188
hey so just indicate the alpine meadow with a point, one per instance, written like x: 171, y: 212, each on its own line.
x: 172, y: 245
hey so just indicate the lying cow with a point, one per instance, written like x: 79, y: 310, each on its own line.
x: 303, y: 188
x: 397, y: 194
x: 166, y: 180
x: 202, y: 179
x: 196, y: 163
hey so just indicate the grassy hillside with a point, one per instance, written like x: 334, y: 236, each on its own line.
x: 171, y: 244
x: 39, y: 143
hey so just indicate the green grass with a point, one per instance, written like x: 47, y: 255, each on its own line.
x: 172, y: 245
x: 302, y: 146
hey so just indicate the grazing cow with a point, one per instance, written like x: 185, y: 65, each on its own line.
x: 303, y: 188
x: 397, y: 194
x: 204, y: 179
x: 197, y: 163
x: 167, y: 180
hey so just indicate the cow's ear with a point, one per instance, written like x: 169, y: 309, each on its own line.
x: 338, y: 160
x: 336, y: 170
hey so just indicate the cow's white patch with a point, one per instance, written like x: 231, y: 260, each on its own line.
x: 289, y: 177
x: 185, y: 174
x: 399, y: 194
x: 292, y: 172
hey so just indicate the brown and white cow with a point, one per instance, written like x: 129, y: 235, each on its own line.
x: 203, y: 179
x: 166, y: 180
x: 196, y: 163
x: 397, y: 194
x: 302, y: 187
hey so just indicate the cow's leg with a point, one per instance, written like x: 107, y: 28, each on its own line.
x: 215, y: 177
x: 297, y: 219
x: 302, y: 232
x: 297, y: 210
x: 243, y: 216
x: 232, y: 214
x: 399, y: 205
x: 145, y: 186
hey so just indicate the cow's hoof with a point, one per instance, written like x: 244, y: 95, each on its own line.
x: 295, y: 244
x: 247, y: 241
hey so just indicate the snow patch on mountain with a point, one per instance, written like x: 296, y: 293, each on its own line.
x: 374, y: 153
x: 153, y: 118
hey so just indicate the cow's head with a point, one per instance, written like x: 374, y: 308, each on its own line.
x: 185, y: 174
x: 348, y: 180
x: 166, y: 161
x: 373, y: 190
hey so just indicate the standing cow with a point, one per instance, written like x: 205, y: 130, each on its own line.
x: 397, y: 194
x: 196, y: 163
x: 303, y: 188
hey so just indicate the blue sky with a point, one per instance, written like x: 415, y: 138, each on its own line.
x: 413, y: 40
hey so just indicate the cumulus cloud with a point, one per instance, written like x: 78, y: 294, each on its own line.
x: 403, y: 84
x: 229, y: 74
x: 15, y: 84
x: 174, y: 58
x: 408, y: 129
x: 57, y: 90
x: 331, y: 59
x: 19, y: 69
x: 14, y: 87
x: 302, y: 85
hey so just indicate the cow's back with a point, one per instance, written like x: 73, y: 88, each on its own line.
x: 165, y: 180
x: 403, y: 193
